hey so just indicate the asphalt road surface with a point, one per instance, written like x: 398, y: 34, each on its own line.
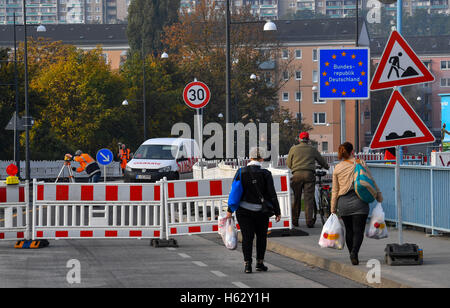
x: 198, y: 262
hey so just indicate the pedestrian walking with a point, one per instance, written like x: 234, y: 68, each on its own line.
x: 346, y: 203
x: 257, y: 183
x: 89, y: 164
x: 302, y: 160
x: 124, y: 156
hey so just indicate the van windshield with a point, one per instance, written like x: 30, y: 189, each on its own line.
x: 155, y: 151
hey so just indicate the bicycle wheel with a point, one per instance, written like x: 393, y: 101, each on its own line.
x: 325, y: 209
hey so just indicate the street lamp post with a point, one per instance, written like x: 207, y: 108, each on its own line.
x: 269, y: 26
x: 27, y: 108
x: 27, y: 111
x: 16, y: 118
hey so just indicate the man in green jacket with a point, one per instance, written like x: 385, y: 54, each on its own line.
x: 302, y: 160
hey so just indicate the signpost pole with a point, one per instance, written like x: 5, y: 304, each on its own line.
x: 343, y: 137
x: 200, y: 137
x: 398, y: 201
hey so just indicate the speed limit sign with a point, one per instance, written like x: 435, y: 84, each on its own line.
x: 196, y: 95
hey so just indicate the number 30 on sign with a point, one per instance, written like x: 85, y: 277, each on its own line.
x: 196, y: 95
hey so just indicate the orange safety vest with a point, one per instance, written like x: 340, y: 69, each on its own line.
x: 124, y: 155
x: 87, y: 163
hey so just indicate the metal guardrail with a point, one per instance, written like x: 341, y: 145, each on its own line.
x: 425, y: 195
x: 44, y: 170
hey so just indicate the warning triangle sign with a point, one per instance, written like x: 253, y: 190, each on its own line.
x: 400, y: 125
x: 399, y: 66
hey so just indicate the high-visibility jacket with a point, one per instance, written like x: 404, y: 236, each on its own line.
x: 124, y: 156
x: 87, y: 163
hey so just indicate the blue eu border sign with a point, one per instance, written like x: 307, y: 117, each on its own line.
x: 344, y: 73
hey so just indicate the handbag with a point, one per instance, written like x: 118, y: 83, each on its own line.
x: 266, y: 206
x: 363, y: 183
x: 234, y: 198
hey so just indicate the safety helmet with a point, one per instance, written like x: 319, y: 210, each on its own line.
x: 78, y: 153
x: 304, y: 136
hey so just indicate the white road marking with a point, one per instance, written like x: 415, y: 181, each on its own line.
x: 171, y: 248
x: 183, y: 255
x: 218, y: 274
x: 240, y: 285
x: 199, y: 263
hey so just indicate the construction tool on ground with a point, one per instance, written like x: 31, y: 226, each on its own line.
x: 67, y: 159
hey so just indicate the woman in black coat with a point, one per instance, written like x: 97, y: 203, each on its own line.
x: 255, y: 181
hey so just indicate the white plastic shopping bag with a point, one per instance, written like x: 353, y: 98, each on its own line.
x: 222, y: 225
x: 377, y: 226
x: 230, y: 240
x: 333, y: 233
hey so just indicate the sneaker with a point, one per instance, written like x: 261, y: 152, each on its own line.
x: 260, y: 267
x: 248, y: 268
x: 354, y: 259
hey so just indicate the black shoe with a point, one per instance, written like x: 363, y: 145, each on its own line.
x: 354, y: 259
x: 260, y: 267
x: 248, y: 268
x: 310, y: 226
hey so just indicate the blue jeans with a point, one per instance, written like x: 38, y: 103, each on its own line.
x: 94, y: 178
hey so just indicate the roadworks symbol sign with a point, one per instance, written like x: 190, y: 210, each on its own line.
x: 400, y: 125
x: 399, y: 66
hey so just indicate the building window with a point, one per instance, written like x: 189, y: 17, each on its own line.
x: 316, y: 98
x: 324, y: 146
x: 315, y: 76
x: 298, y: 96
x: 320, y: 118
x: 314, y: 55
x: 285, y: 54
x: 298, y: 53
x: 298, y: 75
x: 105, y: 57
x: 285, y: 96
x: 445, y: 65
x: 286, y: 75
x: 445, y: 82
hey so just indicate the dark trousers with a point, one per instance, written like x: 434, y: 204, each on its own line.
x: 354, y: 231
x: 252, y: 223
x: 303, y: 182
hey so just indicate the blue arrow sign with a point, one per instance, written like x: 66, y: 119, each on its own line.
x: 344, y: 73
x: 104, y: 157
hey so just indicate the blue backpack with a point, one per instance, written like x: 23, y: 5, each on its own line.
x: 234, y: 199
x: 363, y: 183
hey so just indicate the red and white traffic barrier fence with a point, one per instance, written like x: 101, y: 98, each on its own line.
x: 193, y: 206
x: 83, y: 211
x: 14, y: 214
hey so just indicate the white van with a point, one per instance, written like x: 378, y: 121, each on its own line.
x: 172, y: 158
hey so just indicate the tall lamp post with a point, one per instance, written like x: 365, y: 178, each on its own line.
x: 164, y: 55
x: 314, y: 88
x: 41, y: 28
x: 269, y: 26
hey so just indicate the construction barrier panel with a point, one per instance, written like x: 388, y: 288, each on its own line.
x: 193, y: 206
x: 14, y: 214
x: 83, y: 211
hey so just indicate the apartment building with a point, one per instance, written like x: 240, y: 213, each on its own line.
x: 64, y: 11
x: 265, y: 9
x: 344, y: 8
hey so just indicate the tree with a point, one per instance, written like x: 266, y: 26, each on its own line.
x: 164, y: 88
x: 82, y: 109
x: 146, y: 20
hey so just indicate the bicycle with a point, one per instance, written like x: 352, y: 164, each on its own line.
x: 322, y: 197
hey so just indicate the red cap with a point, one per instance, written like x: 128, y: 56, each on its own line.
x: 304, y: 135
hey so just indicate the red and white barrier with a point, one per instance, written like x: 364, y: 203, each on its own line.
x: 193, y: 206
x: 79, y: 211
x: 14, y: 215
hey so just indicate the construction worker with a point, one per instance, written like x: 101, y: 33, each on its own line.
x: 302, y: 160
x: 124, y: 156
x: 89, y: 164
